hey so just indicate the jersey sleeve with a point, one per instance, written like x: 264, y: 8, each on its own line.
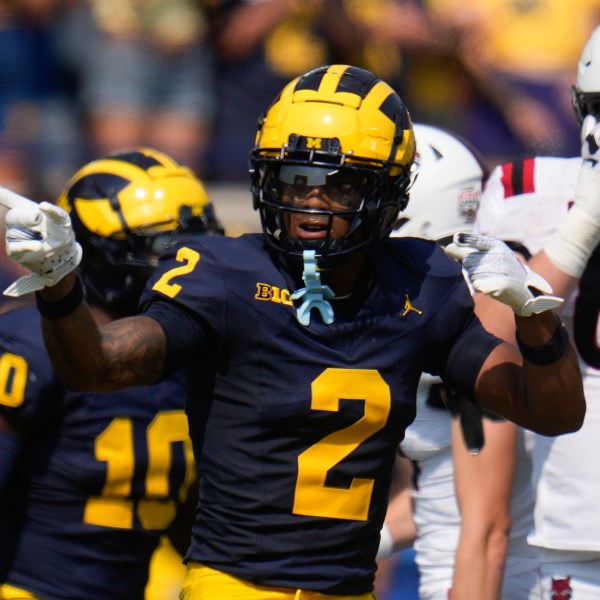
x: 190, y: 276
x: 525, y: 200
x: 465, y: 343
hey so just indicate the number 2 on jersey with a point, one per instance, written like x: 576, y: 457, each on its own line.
x: 190, y: 259
x: 313, y: 497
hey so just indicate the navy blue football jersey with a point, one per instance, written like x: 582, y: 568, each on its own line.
x: 98, y: 478
x: 295, y: 428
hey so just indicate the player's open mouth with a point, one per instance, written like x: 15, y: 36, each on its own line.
x: 313, y: 229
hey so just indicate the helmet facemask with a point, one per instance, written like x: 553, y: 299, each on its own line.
x: 377, y: 199
x: 585, y: 103
x: 115, y: 270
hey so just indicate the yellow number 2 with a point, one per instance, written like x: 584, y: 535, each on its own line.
x: 313, y: 497
x: 190, y: 259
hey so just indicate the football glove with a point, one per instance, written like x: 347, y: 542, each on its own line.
x: 575, y: 239
x: 40, y: 238
x: 495, y: 270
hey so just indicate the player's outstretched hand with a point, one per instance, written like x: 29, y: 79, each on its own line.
x: 494, y: 270
x: 40, y: 238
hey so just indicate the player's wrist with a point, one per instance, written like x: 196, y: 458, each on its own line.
x: 549, y: 352
x: 62, y: 299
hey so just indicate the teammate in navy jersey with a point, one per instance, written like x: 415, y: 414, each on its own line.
x: 90, y: 482
x: 303, y: 345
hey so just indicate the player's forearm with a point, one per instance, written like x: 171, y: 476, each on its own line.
x: 73, y: 340
x: 400, y: 522
x: 85, y: 357
x: 479, y: 567
x: 546, y: 398
x: 552, y: 390
x: 483, y: 485
x: 562, y: 283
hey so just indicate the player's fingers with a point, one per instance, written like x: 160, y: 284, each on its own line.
x: 25, y: 216
x: 11, y: 199
x: 477, y: 242
x: 57, y: 214
x: 457, y: 252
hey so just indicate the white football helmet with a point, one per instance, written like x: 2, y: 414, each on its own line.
x: 445, y: 196
x: 585, y: 94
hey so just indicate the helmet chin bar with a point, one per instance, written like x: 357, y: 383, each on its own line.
x: 324, y: 246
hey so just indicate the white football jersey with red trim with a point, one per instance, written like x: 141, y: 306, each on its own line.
x: 524, y: 202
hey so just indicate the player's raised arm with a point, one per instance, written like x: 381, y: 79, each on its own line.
x: 128, y: 352
x: 550, y: 373
x: 119, y: 354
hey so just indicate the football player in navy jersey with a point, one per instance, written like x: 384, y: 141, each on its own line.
x: 90, y: 482
x: 303, y: 345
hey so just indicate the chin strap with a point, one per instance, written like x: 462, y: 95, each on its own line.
x: 315, y: 293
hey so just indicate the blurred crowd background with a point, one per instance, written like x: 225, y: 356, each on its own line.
x: 80, y: 78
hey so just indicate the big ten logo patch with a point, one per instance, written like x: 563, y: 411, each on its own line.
x: 272, y: 293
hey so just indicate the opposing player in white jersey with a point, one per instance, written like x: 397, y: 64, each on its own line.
x: 534, y: 202
x: 472, y: 513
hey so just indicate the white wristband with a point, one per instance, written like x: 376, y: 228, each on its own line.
x: 386, y: 543
x: 574, y: 241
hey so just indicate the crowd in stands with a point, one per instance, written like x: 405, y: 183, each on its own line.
x: 80, y: 78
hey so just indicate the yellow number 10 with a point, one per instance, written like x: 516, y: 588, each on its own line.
x: 114, y: 508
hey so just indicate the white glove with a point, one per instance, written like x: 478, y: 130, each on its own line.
x: 40, y: 238
x: 494, y: 270
x: 575, y: 239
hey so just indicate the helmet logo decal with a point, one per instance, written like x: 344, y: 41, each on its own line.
x: 408, y: 307
x: 300, y: 142
x: 468, y: 203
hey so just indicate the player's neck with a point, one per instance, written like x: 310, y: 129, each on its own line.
x: 345, y: 278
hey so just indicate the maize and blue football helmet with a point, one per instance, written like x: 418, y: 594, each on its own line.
x: 334, y: 123
x: 126, y: 209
